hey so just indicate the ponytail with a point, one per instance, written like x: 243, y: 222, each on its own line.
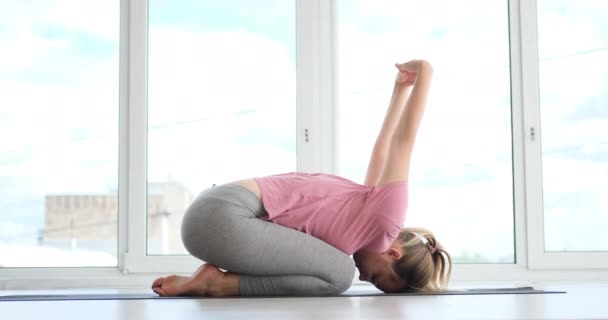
x: 425, y: 265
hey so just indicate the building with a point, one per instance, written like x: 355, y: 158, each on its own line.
x: 91, y: 221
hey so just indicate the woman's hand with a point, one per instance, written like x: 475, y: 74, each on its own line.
x: 408, y: 72
x: 404, y: 76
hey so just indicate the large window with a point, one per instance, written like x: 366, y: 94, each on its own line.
x: 59, y: 129
x: 206, y: 92
x: 573, y: 71
x: 222, y: 103
x: 461, y: 174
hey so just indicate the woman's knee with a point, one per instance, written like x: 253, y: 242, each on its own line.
x: 209, y: 226
x: 342, y: 277
x: 197, y: 229
x: 189, y: 225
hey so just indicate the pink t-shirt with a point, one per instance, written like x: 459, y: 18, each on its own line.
x: 345, y: 214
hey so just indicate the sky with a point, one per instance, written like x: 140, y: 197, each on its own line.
x: 222, y: 95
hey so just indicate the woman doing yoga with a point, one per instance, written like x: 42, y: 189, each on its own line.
x: 293, y: 234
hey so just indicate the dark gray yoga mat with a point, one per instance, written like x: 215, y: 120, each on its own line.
x: 352, y: 293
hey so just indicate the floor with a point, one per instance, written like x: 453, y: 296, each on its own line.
x: 582, y: 301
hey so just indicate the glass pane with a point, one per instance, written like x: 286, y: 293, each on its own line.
x: 59, y: 129
x: 573, y: 66
x: 221, y: 102
x: 461, y: 173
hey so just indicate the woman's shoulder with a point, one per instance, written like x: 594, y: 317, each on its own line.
x: 391, y: 199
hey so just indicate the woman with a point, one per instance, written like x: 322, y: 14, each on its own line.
x: 292, y: 234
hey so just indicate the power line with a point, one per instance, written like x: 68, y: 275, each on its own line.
x: 251, y: 111
x: 150, y: 128
x: 579, y: 53
x: 558, y: 57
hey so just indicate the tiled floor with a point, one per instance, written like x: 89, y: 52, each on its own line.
x: 582, y: 301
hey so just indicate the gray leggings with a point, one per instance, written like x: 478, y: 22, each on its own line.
x: 223, y: 227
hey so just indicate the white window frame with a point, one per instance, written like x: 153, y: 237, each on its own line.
x: 317, y: 47
x: 538, y: 258
x: 314, y: 104
x: 133, y: 258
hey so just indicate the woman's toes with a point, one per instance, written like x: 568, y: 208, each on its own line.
x: 158, y: 282
x: 159, y: 291
x: 202, y: 283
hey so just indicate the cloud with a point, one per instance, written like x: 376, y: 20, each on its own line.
x: 23, y: 25
x: 212, y: 82
x: 566, y: 27
x: 197, y: 74
x: 235, y: 83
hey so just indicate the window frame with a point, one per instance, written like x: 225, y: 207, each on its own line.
x: 316, y: 103
x: 538, y: 258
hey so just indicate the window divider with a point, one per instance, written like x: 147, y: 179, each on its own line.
x: 316, y: 75
x: 531, y: 121
x: 132, y: 256
x: 123, y: 131
x: 517, y: 136
x: 135, y: 159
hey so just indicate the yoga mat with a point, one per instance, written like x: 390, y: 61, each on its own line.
x: 352, y: 293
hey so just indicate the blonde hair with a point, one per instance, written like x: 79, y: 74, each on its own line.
x: 425, y: 265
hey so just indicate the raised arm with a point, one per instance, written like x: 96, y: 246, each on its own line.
x: 397, y: 163
x: 403, y: 81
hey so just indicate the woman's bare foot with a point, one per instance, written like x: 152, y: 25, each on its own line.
x: 202, y: 283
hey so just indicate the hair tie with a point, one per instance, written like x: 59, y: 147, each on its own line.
x: 426, y: 242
